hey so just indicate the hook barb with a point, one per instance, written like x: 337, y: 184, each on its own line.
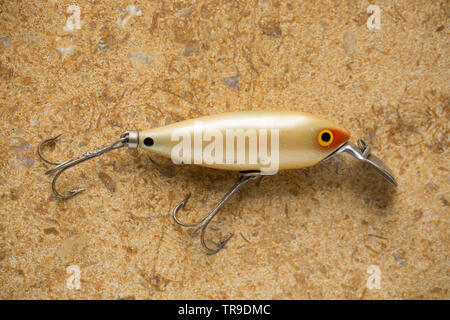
x: 203, y: 223
x: 60, y: 167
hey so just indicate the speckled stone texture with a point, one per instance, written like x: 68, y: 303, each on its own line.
x: 302, y: 234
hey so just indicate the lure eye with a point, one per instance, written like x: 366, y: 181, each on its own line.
x: 325, y: 138
x: 148, y: 142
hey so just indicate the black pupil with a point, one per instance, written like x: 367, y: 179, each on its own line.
x: 148, y: 142
x: 326, y: 137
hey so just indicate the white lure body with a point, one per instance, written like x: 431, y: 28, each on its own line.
x: 252, y: 140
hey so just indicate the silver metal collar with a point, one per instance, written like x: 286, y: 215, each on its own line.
x: 133, y: 138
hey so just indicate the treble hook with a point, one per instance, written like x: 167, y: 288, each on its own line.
x: 128, y: 138
x: 204, y: 222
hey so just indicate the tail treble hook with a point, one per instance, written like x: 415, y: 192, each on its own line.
x: 203, y: 223
x: 127, y: 139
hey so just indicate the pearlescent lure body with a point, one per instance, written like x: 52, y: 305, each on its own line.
x: 253, y: 143
x: 300, y: 138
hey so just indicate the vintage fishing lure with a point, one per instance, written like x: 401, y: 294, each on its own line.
x: 253, y: 143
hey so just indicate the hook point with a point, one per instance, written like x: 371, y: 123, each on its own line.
x: 73, y: 193
x: 185, y: 200
x: 219, y: 246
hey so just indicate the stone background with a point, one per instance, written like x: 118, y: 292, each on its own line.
x: 302, y: 234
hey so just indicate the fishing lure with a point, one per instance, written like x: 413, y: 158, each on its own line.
x: 254, y: 143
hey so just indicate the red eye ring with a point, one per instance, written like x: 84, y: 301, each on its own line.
x: 332, y: 138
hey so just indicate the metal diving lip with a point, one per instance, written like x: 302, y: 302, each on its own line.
x: 362, y: 153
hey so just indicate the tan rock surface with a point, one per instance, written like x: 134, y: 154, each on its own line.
x: 301, y: 234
